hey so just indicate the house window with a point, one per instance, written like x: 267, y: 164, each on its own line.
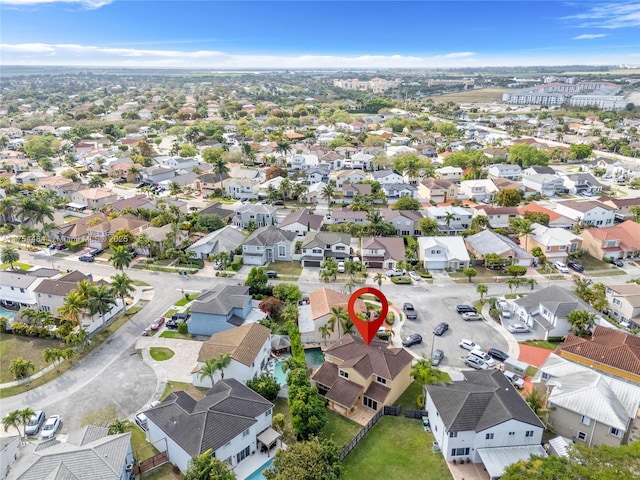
x: 281, y: 250
x: 453, y: 434
x: 488, y: 436
x: 344, y: 374
x: 563, y: 247
x: 372, y: 404
x: 582, y: 436
x: 548, y: 248
x: 245, y: 433
x: 458, y: 452
x: 381, y: 380
x: 268, y: 412
x: 340, y: 248
x: 615, y: 432
x: 616, y: 301
x: 316, y: 250
x: 529, y: 433
x: 545, y: 376
x: 46, y: 308
x: 512, y: 433
x: 585, y: 420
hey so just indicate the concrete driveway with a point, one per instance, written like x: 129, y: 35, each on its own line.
x: 179, y: 367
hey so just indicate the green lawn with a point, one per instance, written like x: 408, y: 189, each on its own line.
x: 542, y: 344
x: 285, y: 268
x: 169, y: 313
x: 183, y: 301
x: 341, y: 429
x: 29, y: 348
x: 195, y: 392
x: 16, y: 265
x: 176, y: 334
x: 408, y: 399
x: 396, y: 447
x: 141, y: 448
x: 160, y: 354
x: 163, y: 472
x: 591, y: 263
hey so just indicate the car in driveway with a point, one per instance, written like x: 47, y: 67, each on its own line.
x: 515, y: 379
x: 577, y: 266
x: 157, y: 323
x: 414, y: 339
x: 518, y: 328
x: 415, y: 277
x: 440, y: 329
x: 497, y: 354
x: 618, y: 263
x: 35, y: 422
x: 475, y: 362
x: 180, y: 317
x: 471, y: 316
x: 438, y: 355
x: 561, y: 267
x: 466, y: 309
x: 141, y: 421
x: 410, y: 311
x: 272, y: 274
x: 469, y: 345
x: 395, y: 273
x: 483, y: 356
x: 51, y: 426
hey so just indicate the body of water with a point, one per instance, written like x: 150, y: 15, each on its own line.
x: 314, y: 356
x: 7, y: 313
x: 257, y: 475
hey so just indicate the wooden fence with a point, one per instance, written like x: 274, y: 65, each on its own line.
x: 150, y: 463
x: 360, y: 435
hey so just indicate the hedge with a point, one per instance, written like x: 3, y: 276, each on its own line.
x: 401, y: 280
x: 76, y: 246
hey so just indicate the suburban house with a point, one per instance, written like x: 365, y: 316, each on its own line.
x: 498, y: 216
x: 157, y: 173
x: 99, y: 234
x: 614, y: 168
x: 485, y: 419
x: 216, y: 209
x: 544, y: 183
x: 450, y: 174
x: 407, y: 222
x: 382, y: 252
x: 177, y: 163
x: 182, y: 178
x: 60, y: 185
x: 318, y: 246
x: 219, y: 309
x: 512, y: 171
x: 317, y: 175
x: 354, y: 191
x: 249, y: 347
x: 227, y: 239
x: 228, y: 421
x: 579, y: 183
x: 483, y: 190
x: 129, y: 171
x: 350, y: 176
x: 260, y: 214
x: 88, y: 452
x: 437, y: 190
x: 486, y: 242
x: 316, y: 314
x: 16, y: 287
x: 622, y: 205
x: 538, y: 170
x: 619, y: 241
x: 589, y: 212
x: 395, y: 191
x: 359, y: 161
x: 555, y: 219
x: 77, y: 230
x: 268, y: 244
x: 135, y: 202
x: 451, y: 220
x: 241, y: 188
x: 611, y: 351
x: 545, y: 311
x: 624, y: 304
x: 345, y: 215
x: 555, y: 243
x: 301, y: 222
x: 387, y: 177
x: 587, y: 406
x: 443, y: 253
x: 313, y: 193
x: 94, y: 198
x: 355, y: 375
x: 208, y: 183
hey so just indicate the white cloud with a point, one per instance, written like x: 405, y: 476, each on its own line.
x: 589, y: 36
x: 85, y: 3
x: 610, y: 16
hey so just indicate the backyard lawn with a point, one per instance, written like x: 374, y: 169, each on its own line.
x: 163, y: 472
x: 396, y: 447
x: 141, y: 448
x: 29, y: 348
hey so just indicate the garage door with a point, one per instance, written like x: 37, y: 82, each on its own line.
x: 311, y: 263
x: 437, y: 265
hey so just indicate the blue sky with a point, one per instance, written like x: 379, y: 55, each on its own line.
x: 312, y: 34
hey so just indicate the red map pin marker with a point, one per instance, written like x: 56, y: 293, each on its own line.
x: 368, y: 329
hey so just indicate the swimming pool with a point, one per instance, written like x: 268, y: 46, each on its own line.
x: 7, y: 313
x: 278, y: 374
x: 257, y: 475
x: 315, y: 357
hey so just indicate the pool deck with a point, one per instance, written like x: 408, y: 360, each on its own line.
x: 253, y: 463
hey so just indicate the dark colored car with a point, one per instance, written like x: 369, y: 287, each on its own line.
x: 497, y: 354
x: 272, y: 274
x: 278, y: 203
x: 618, y: 263
x: 414, y: 339
x: 141, y: 185
x: 466, y: 309
x: 180, y: 317
x: 577, y: 266
x: 157, y: 323
x: 119, y: 180
x: 410, y: 311
x: 172, y: 324
x: 86, y: 258
x: 441, y: 328
x: 438, y: 355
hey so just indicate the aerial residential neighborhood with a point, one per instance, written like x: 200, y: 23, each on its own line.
x: 180, y: 249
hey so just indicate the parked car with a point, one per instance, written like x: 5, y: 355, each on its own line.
x: 497, y: 354
x: 471, y: 316
x: 618, y: 263
x: 157, y: 323
x: 141, y: 185
x: 87, y: 258
x: 116, y: 181
x: 466, y: 309
x: 51, y: 426
x: 172, y: 324
x: 518, y: 328
x: 340, y: 267
x: 395, y: 273
x: 516, y: 380
x: 469, y: 345
x: 414, y: 339
x: 505, y: 312
x: 475, y: 362
x: 278, y: 203
x: 180, y: 317
x: 272, y: 274
x: 440, y: 329
x: 438, y: 355
x: 561, y: 267
x: 141, y: 421
x: 35, y: 422
x: 415, y: 277
x: 485, y: 357
x: 577, y: 266
x: 410, y: 311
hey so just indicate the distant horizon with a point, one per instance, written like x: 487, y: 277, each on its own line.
x: 317, y: 35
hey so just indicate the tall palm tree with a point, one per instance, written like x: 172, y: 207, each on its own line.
x: 174, y: 188
x: 325, y: 332
x: 448, y: 218
x: 208, y: 369
x: 538, y: 403
x: 482, y: 289
x: 376, y: 223
x: 283, y: 148
x: 42, y: 211
x: 285, y: 189
x: 328, y: 193
x: 530, y: 282
x: 220, y: 168
x: 122, y: 285
x: 121, y: 257
x: 19, y: 417
x: 12, y: 419
x: 96, y: 181
x: 339, y: 317
x: 100, y: 301
x: 7, y: 206
x: 73, y: 308
x: 9, y: 255
x: 221, y: 362
x: 378, y: 279
x: 135, y: 171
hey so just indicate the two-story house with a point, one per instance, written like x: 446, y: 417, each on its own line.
x: 242, y: 188
x: 319, y: 246
x: 17, y: 287
x: 315, y: 314
x: 228, y: 421
x: 356, y: 376
x: 349, y: 176
x: 94, y: 198
x: 387, y: 177
x: 498, y: 217
x: 345, y: 215
x: 353, y: 191
x: 483, y: 190
x: 180, y: 163
x: 302, y: 222
x: 437, y: 190
x: 359, y: 161
x: 443, y: 253
x: 157, y: 173
x: 317, y: 175
x: 544, y: 183
x: 587, y: 406
x: 451, y: 220
x: 395, y: 191
x: 555, y: 219
x: 555, y: 243
x: 304, y: 162
x: 382, y: 252
x: 450, y: 174
x: 60, y: 185
x: 619, y: 241
x: 268, y: 244
x: 624, y: 303
x: 590, y: 212
x: 249, y: 347
x: 207, y: 183
x: 623, y: 206
x: 219, y: 309
x: 512, y: 171
x: 578, y: 183
x: 406, y: 222
x: 485, y: 419
x: 260, y: 214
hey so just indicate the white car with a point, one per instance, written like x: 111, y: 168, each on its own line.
x: 340, y: 267
x: 561, y: 267
x: 415, y: 277
x: 469, y: 345
x: 476, y: 363
x: 516, y: 380
x: 505, y: 312
x: 485, y: 357
x: 51, y: 426
x: 396, y: 273
x: 518, y: 328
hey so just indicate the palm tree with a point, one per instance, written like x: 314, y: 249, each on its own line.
x: 482, y: 289
x: 376, y: 222
x: 121, y: 257
x: 531, y: 282
x: 42, y: 211
x: 339, y: 317
x: 448, y: 218
x: 174, y: 189
x: 220, y: 168
x: 328, y: 193
x: 283, y: 148
x: 73, y: 308
x: 101, y: 301
x: 53, y: 355
x: 119, y: 426
x: 6, y: 208
x: 135, y: 171
x: 326, y: 275
x: 426, y: 374
x: 221, y: 362
x: 17, y: 418
x: 9, y: 255
x: 349, y: 286
x: 538, y: 403
x: 78, y: 339
x: 96, y: 181
x: 143, y: 242
x: 325, y: 332
x: 21, y: 367
x: 285, y: 189
x: 122, y: 285
x: 208, y: 369
x: 378, y: 279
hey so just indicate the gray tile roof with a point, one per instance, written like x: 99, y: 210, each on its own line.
x: 269, y: 236
x: 558, y: 300
x: 228, y: 409
x: 322, y: 239
x: 484, y: 399
x: 303, y: 217
x: 220, y: 301
x: 486, y: 241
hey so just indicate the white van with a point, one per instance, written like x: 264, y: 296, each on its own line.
x: 485, y: 357
x: 340, y: 267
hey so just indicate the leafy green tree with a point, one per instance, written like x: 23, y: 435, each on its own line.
x: 509, y: 197
x: 256, y: 280
x: 208, y: 223
x: 581, y: 322
x: 41, y: 146
x: 526, y: 155
x: 287, y: 292
x: 119, y: 426
x: 9, y: 255
x: 537, y: 217
x: 206, y: 467
x: 121, y: 237
x: 516, y: 270
x: 429, y: 227
x: 580, y: 151
x: 426, y: 374
x: 187, y: 151
x: 308, y: 412
x: 208, y: 369
x: 314, y: 459
x: 174, y: 188
x: 265, y: 385
x: 407, y: 203
x: 469, y: 272
x: 539, y: 468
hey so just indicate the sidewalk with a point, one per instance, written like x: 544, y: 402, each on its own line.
x: 514, y: 346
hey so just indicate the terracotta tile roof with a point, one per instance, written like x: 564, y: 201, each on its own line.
x: 323, y: 299
x: 535, y: 207
x: 242, y: 343
x: 607, y: 347
x: 96, y: 193
x: 627, y: 232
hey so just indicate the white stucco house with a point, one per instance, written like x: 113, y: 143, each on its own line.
x: 442, y: 253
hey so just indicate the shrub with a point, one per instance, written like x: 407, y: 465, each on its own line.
x: 265, y: 385
x: 236, y: 264
x: 76, y: 246
x: 401, y: 280
x: 3, y: 324
x: 183, y: 328
x: 420, y: 402
x: 391, y: 317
